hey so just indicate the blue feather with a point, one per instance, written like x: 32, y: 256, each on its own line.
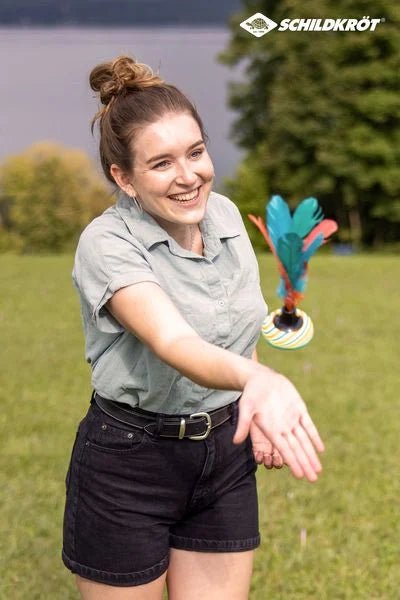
x: 290, y: 253
x: 301, y: 284
x: 281, y: 289
x: 313, y: 247
x: 306, y: 216
x: 278, y: 217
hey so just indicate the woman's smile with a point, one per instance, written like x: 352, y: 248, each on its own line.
x: 188, y: 199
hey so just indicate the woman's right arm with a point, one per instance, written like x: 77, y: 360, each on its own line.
x: 269, y: 399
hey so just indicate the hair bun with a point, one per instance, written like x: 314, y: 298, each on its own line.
x: 120, y: 76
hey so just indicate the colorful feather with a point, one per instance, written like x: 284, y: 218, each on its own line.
x: 259, y: 223
x: 306, y: 216
x: 289, y: 250
x: 327, y: 227
x: 278, y: 219
x: 293, y: 240
x: 313, y: 247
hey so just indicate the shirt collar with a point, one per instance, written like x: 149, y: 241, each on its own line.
x: 145, y: 228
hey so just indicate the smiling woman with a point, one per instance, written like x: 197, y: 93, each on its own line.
x: 161, y: 484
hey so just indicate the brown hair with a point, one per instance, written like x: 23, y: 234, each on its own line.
x: 132, y: 97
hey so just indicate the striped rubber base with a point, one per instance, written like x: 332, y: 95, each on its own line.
x: 287, y: 340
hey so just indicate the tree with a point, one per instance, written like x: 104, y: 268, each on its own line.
x: 47, y: 196
x: 320, y: 111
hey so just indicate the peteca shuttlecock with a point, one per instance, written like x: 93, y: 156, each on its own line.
x: 293, y: 239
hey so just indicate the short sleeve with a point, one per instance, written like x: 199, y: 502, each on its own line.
x: 104, y: 263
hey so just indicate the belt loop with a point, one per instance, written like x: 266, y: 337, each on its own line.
x: 159, y: 423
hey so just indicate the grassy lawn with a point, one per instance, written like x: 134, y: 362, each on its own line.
x: 337, y: 539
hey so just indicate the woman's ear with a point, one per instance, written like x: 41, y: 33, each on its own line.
x: 122, y: 180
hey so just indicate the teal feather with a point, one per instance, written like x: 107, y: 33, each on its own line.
x: 279, y: 219
x: 313, y: 247
x: 290, y: 253
x: 281, y: 289
x: 306, y: 216
x: 301, y: 284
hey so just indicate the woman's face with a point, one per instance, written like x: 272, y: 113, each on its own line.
x: 173, y: 173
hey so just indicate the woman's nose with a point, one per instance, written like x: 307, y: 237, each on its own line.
x: 185, y: 174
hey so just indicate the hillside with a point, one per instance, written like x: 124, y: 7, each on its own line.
x: 116, y: 12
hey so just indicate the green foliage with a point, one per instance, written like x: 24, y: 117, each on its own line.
x: 321, y: 110
x: 47, y: 196
x: 249, y: 189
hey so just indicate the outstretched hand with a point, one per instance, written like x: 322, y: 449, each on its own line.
x: 272, y: 404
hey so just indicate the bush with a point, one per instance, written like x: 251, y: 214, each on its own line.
x: 47, y: 196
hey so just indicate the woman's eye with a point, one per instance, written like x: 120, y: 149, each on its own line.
x: 197, y: 152
x: 164, y: 162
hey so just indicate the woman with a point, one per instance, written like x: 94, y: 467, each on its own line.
x: 161, y: 485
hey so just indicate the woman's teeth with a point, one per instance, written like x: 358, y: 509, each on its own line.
x: 185, y: 197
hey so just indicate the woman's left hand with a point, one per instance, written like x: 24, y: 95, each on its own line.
x: 264, y: 452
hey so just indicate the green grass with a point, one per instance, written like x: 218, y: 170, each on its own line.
x: 347, y: 376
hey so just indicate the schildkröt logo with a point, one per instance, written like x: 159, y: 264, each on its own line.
x: 258, y: 24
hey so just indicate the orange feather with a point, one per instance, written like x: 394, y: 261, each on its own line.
x: 292, y: 298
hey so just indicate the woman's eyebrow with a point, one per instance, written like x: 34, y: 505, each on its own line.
x: 158, y: 156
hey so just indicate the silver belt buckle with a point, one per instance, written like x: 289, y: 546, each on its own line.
x: 201, y: 436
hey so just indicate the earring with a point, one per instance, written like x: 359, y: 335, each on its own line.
x: 135, y: 201
x: 137, y: 204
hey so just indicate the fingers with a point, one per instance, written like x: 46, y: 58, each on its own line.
x: 302, y: 459
x: 258, y: 457
x: 312, y: 431
x: 299, y: 453
x: 308, y: 448
x: 277, y: 460
x: 243, y: 426
x: 272, y: 459
x: 295, y: 448
x: 268, y: 460
x: 289, y: 456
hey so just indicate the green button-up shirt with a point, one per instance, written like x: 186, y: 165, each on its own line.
x: 218, y: 294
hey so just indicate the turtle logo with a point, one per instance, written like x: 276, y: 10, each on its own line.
x: 258, y: 24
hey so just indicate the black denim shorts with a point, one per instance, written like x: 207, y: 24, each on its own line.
x: 131, y: 496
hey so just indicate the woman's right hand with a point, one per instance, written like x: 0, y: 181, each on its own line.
x: 272, y: 402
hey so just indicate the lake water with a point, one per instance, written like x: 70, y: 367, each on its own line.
x: 45, y: 93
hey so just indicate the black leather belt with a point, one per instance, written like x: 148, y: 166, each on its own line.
x: 196, y: 426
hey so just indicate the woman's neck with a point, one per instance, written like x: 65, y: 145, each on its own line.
x: 187, y: 236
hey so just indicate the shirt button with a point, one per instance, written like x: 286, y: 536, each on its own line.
x: 221, y: 302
